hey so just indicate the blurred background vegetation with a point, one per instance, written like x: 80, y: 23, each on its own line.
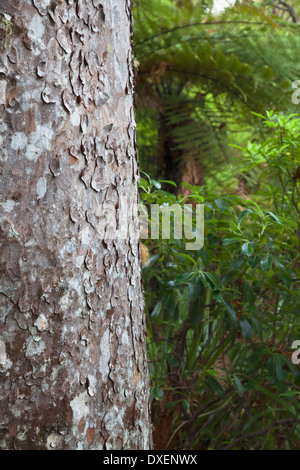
x: 216, y: 125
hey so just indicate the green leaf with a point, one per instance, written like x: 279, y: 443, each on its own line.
x: 221, y: 204
x: 196, y: 311
x: 230, y: 310
x: 169, y: 301
x: 293, y: 368
x: 183, y: 278
x: 267, y: 72
x: 286, y: 278
x: 259, y: 115
x: 243, y: 214
x: 156, y: 184
x: 254, y: 261
x: 210, y: 280
x: 280, y: 373
x: 194, y: 196
x: 275, y: 397
x: 214, y: 386
x: 247, y: 249
x: 237, y: 264
x: 230, y: 241
x: 279, y: 263
x: 275, y: 217
x: 170, y: 404
x: 238, y: 385
x: 283, y: 220
x: 157, y: 393
x: 196, y: 288
x: 212, y: 372
x: 157, y: 309
x: 168, y: 182
x: 266, y: 263
x: 246, y: 328
x: 187, y: 257
x: 186, y: 405
x: 248, y: 292
x: 253, y: 203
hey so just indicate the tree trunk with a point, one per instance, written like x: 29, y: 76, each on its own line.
x: 73, y: 367
x: 178, y: 165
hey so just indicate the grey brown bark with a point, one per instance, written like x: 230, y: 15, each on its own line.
x: 73, y: 370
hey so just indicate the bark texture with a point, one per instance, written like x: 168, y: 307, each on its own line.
x: 73, y: 367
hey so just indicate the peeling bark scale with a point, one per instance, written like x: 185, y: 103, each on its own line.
x: 73, y: 370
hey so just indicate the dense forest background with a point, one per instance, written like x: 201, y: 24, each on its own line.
x: 218, y: 123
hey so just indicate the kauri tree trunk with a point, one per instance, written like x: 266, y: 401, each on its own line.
x: 73, y: 370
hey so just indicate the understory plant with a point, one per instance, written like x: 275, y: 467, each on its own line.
x: 221, y: 320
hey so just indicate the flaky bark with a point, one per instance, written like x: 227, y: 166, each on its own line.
x: 73, y: 371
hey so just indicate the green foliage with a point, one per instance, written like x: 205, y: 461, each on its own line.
x: 204, y: 74
x: 221, y: 320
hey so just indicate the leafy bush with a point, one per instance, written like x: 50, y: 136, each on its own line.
x: 222, y: 319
